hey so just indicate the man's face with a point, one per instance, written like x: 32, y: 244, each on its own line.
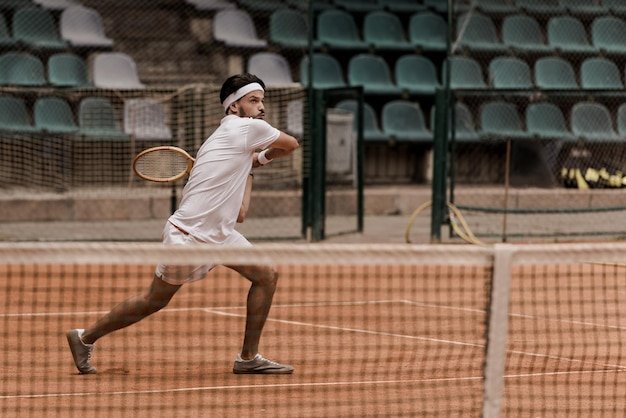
x: 251, y: 105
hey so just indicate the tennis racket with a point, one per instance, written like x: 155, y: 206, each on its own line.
x: 164, y: 164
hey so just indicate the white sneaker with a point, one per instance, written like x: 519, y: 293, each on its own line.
x: 80, y: 351
x: 260, y: 365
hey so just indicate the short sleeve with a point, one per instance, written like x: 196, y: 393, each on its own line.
x: 261, y: 134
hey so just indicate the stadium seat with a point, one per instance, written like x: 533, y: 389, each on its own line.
x: 523, y: 33
x: 584, y: 8
x: 546, y: 121
x: 56, y: 4
x: 211, y: 5
x: 404, y: 121
x: 402, y: 6
x: 510, y: 73
x: 465, y: 73
x: 21, y: 69
x: 235, y: 28
x: 371, y: 128
x: 465, y: 128
x: 54, y: 115
x: 500, y: 120
x: 476, y: 31
x: 428, y: 31
x: 615, y: 6
x: 359, y: 6
x: 14, y: 116
x: 6, y: 40
x: 37, y: 28
x: 98, y: 119
x: 337, y: 29
x: 608, y: 34
x: 68, y: 70
x: 145, y: 120
x: 288, y: 28
x: 373, y: 73
x: 568, y: 34
x: 270, y: 67
x: 384, y: 31
x: 600, y: 74
x: 441, y: 6
x: 327, y: 72
x: 500, y: 7
x: 592, y: 122
x: 543, y: 7
x: 83, y: 27
x: 115, y: 70
x: 555, y: 73
x: 256, y: 6
x: 621, y: 120
x: 416, y: 74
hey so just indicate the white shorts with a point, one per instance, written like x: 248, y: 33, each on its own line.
x: 177, y: 274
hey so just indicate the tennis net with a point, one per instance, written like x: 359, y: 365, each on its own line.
x: 372, y: 330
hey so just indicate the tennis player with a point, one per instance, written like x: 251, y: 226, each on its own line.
x: 215, y: 198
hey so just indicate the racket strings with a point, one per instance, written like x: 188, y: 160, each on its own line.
x: 162, y: 164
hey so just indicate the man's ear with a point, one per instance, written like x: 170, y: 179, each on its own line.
x: 234, y: 108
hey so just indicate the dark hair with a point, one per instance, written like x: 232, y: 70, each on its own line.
x: 235, y: 82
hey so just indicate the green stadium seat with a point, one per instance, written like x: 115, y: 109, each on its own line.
x: 416, y: 74
x: 37, y: 28
x: 428, y: 31
x: 465, y: 73
x: 68, y: 70
x: 465, y: 129
x: 288, y: 28
x: 608, y: 34
x: 586, y: 8
x: 270, y: 67
x: 568, y: 34
x: 621, y: 120
x: 402, y: 6
x: 359, y: 6
x: 261, y: 5
x: 371, y: 128
x: 592, y: 122
x: 477, y: 32
x: 14, y: 116
x: 617, y: 7
x: 500, y: 120
x: 600, y: 74
x: 510, y: 73
x: 327, y: 72
x: 524, y: 34
x: 404, y: 121
x: 21, y: 69
x: 500, y: 7
x: 384, y: 31
x: 555, y: 73
x: 98, y: 119
x: 543, y: 7
x: 337, y: 29
x: 373, y: 73
x: 54, y: 115
x: 546, y: 121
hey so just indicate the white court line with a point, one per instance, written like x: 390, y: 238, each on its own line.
x: 221, y: 311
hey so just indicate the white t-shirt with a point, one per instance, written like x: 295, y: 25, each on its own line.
x: 212, y: 197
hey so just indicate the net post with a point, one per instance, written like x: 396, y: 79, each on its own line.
x: 497, y: 330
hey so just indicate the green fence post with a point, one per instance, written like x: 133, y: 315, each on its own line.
x: 439, y: 166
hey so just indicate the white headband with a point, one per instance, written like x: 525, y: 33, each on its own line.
x: 233, y: 97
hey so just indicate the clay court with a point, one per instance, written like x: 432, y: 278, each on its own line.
x: 365, y: 340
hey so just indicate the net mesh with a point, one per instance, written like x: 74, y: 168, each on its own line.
x: 384, y: 330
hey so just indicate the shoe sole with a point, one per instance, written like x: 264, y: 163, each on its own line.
x: 69, y: 335
x: 262, y: 371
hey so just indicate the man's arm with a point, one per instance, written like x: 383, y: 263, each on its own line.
x: 284, y: 145
x: 245, y: 204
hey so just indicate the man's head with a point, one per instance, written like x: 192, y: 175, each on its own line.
x: 243, y: 95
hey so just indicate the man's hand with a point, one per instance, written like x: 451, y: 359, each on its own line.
x: 255, y: 160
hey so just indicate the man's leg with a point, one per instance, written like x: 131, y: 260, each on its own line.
x: 259, y: 302
x: 126, y: 313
